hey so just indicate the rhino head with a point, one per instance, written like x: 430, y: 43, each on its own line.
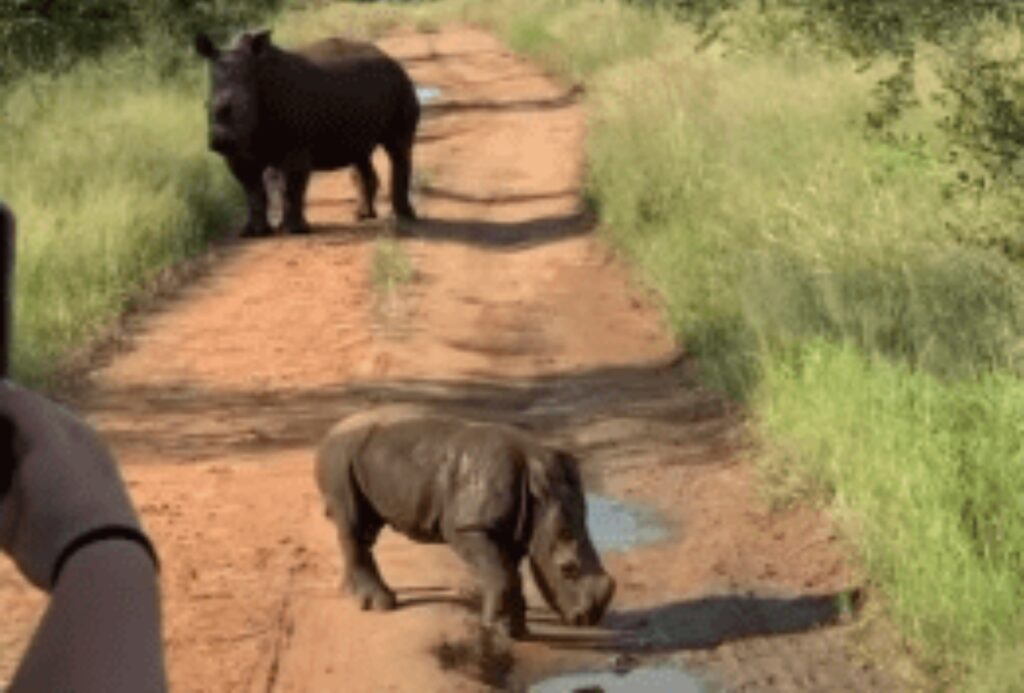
x: 563, y: 560
x: 234, y: 98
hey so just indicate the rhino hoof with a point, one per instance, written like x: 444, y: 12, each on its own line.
x: 509, y: 630
x: 251, y: 231
x: 377, y: 601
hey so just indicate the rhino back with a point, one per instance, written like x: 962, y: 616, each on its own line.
x: 335, y: 50
x: 338, y: 109
x: 405, y: 471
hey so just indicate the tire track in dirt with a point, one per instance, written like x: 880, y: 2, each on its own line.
x: 516, y: 313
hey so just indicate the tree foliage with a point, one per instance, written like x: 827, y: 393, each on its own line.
x: 38, y: 34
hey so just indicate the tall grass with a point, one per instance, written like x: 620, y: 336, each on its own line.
x: 751, y: 196
x: 106, y: 168
x: 926, y: 475
x: 830, y: 280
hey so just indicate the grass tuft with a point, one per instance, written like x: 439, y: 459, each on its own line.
x: 391, y: 266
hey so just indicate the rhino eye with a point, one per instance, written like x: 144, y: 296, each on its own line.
x: 222, y: 111
x: 570, y: 570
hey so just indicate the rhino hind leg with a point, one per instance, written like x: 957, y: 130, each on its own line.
x: 400, y: 154
x: 296, y: 174
x: 367, y: 183
x: 504, y: 607
x: 357, y: 533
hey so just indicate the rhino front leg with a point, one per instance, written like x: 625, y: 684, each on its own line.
x: 367, y: 183
x: 356, y: 535
x: 251, y: 178
x: 504, y: 607
x: 296, y: 169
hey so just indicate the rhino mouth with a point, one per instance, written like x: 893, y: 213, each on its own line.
x: 599, y: 590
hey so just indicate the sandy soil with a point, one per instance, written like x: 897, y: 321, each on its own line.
x: 516, y: 312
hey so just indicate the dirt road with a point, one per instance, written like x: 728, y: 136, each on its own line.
x: 516, y: 312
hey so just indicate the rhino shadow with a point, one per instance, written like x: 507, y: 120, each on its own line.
x: 503, y: 235
x: 703, y: 623
x: 416, y: 596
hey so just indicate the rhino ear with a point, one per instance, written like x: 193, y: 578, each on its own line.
x: 206, y: 47
x: 551, y: 473
x: 259, y: 41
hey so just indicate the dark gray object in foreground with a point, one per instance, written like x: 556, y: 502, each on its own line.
x: 7, y: 245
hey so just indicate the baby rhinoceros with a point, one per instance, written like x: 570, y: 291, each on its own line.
x: 326, y: 106
x: 490, y: 491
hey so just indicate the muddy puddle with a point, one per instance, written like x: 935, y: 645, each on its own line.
x: 427, y: 94
x: 663, y: 679
x: 616, y: 525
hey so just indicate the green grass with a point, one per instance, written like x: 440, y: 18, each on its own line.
x: 765, y: 220
x: 391, y: 267
x: 926, y: 476
x: 314, y: 21
x: 107, y: 170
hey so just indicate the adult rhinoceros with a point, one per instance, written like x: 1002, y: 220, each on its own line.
x: 324, y: 107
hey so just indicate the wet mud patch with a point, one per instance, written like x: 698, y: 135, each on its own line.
x: 619, y: 526
x: 660, y: 679
x: 427, y: 94
x: 481, y: 656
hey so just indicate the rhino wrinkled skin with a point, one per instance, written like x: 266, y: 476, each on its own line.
x: 325, y: 107
x: 491, y: 492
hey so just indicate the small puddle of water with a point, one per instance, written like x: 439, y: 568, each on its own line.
x: 427, y: 94
x: 646, y: 679
x: 618, y: 526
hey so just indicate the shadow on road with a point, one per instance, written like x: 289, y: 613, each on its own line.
x: 516, y: 235
x: 498, y: 235
x: 626, y: 413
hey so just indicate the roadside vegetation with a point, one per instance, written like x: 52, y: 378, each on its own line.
x: 103, y: 158
x: 391, y: 268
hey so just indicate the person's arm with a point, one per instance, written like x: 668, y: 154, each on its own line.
x: 101, y: 631
x: 70, y: 527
